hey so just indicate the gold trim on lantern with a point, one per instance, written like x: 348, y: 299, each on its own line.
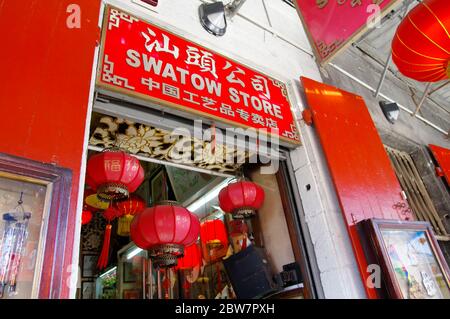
x: 243, y: 212
x: 112, y: 191
x: 174, y: 249
x: 166, y: 255
x: 167, y: 203
x: 448, y: 69
x: 437, y: 18
x: 214, y: 244
x: 416, y: 52
x: 165, y: 261
x: 415, y: 64
x: 426, y: 36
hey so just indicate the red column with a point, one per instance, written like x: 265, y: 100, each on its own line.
x: 46, y: 68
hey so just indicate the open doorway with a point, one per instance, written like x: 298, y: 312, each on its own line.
x: 258, y: 257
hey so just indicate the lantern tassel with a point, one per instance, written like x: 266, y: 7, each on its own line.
x: 186, y: 286
x: 103, y: 259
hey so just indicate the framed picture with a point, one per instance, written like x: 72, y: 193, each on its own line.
x: 159, y: 186
x: 128, y: 274
x: 88, y: 290
x: 89, y: 265
x: 35, y: 198
x: 131, y: 294
x: 411, y: 261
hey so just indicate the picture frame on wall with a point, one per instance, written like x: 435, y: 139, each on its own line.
x: 411, y: 261
x: 88, y: 290
x: 89, y: 265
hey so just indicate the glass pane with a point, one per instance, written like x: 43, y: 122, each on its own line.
x: 416, y: 267
x: 14, y: 227
x: 131, y: 269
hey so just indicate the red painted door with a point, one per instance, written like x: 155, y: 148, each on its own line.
x: 442, y: 156
x: 365, y: 182
x: 46, y: 62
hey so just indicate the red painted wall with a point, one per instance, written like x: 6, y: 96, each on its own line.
x: 46, y: 72
x: 365, y: 182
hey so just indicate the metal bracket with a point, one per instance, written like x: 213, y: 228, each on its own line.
x: 388, y: 60
x: 422, y: 100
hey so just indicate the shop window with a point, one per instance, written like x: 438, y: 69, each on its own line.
x: 208, y: 269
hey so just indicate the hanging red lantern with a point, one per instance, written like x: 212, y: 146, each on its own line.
x: 213, y: 234
x: 114, y: 174
x: 238, y: 234
x: 421, y: 45
x: 191, y: 259
x: 86, y: 217
x: 127, y: 209
x: 241, y: 199
x: 214, y: 239
x: 109, y: 214
x: 164, y: 230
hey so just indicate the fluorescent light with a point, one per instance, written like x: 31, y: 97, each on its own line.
x: 208, y: 197
x: 133, y: 253
x: 108, y: 272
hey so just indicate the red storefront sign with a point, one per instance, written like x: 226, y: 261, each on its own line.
x: 333, y: 24
x: 143, y: 60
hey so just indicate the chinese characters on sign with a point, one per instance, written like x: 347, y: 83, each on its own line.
x: 332, y: 24
x: 143, y: 60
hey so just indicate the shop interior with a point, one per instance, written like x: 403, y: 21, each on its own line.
x: 254, y: 254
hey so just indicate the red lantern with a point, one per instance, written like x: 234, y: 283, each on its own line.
x: 114, y: 174
x: 191, y: 259
x: 164, y: 230
x: 421, y: 45
x: 109, y: 214
x: 127, y: 209
x: 213, y: 234
x: 86, y: 217
x: 241, y: 199
x: 214, y: 239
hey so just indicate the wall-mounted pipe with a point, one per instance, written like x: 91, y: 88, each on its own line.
x: 422, y: 100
